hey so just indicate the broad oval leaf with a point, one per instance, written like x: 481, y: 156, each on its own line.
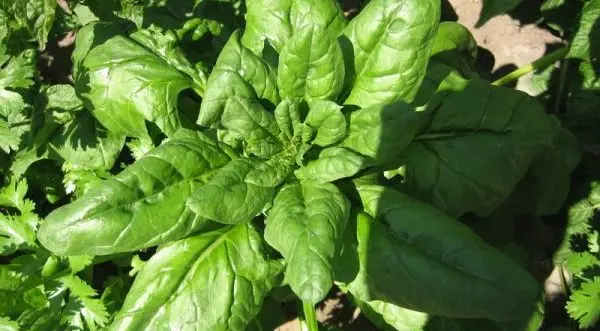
x: 311, y: 66
x: 418, y: 245
x: 248, y: 119
x: 238, y: 72
x: 305, y: 225
x: 475, y: 130
x: 125, y: 84
x: 332, y: 164
x: 142, y: 206
x: 213, y: 281
x: 382, y: 132
x: 228, y: 198
x: 386, y: 50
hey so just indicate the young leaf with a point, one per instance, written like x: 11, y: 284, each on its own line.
x: 289, y: 115
x: 382, y: 132
x: 327, y: 119
x: 332, y: 164
x: 214, y: 281
x: 475, y: 129
x: 136, y: 208
x: 418, y: 244
x: 386, y: 50
x: 126, y: 85
x: 311, y: 66
x: 238, y: 72
x: 272, y: 172
x: 248, y: 119
x: 306, y: 224
x: 228, y: 198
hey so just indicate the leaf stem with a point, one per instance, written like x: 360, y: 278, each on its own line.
x: 538, y: 64
x: 310, y: 316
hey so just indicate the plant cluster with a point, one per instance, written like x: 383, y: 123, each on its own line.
x: 208, y: 160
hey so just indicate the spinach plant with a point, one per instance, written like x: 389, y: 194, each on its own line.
x: 313, y: 152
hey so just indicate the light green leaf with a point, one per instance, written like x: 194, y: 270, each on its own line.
x: 176, y: 288
x: 37, y: 16
x: 84, y: 143
x: 289, y: 115
x: 125, y: 84
x: 327, y: 119
x: 584, y: 304
x: 475, y: 129
x: 228, y: 198
x: 18, y: 231
x: 166, y: 45
x: 389, y: 317
x: 305, y: 225
x: 418, y: 244
x: 7, y: 324
x: 267, y: 21
x: 276, y: 22
x: 18, y: 71
x: 238, y: 72
x: 332, y: 164
x: 249, y: 120
x: 382, y: 132
x: 584, y: 45
x: 137, y: 208
x: 272, y: 172
x: 386, y: 49
x: 91, y: 309
x: 311, y: 66
x: 13, y: 123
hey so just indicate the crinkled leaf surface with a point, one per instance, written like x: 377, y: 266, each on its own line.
x: 475, y: 129
x: 248, y: 119
x: 213, y: 281
x: 306, y: 224
x: 311, y: 66
x: 327, y: 119
x: 228, y: 198
x: 386, y: 50
x: 275, y: 21
x: 125, y: 84
x: 142, y: 206
x: 237, y: 72
x: 416, y: 244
